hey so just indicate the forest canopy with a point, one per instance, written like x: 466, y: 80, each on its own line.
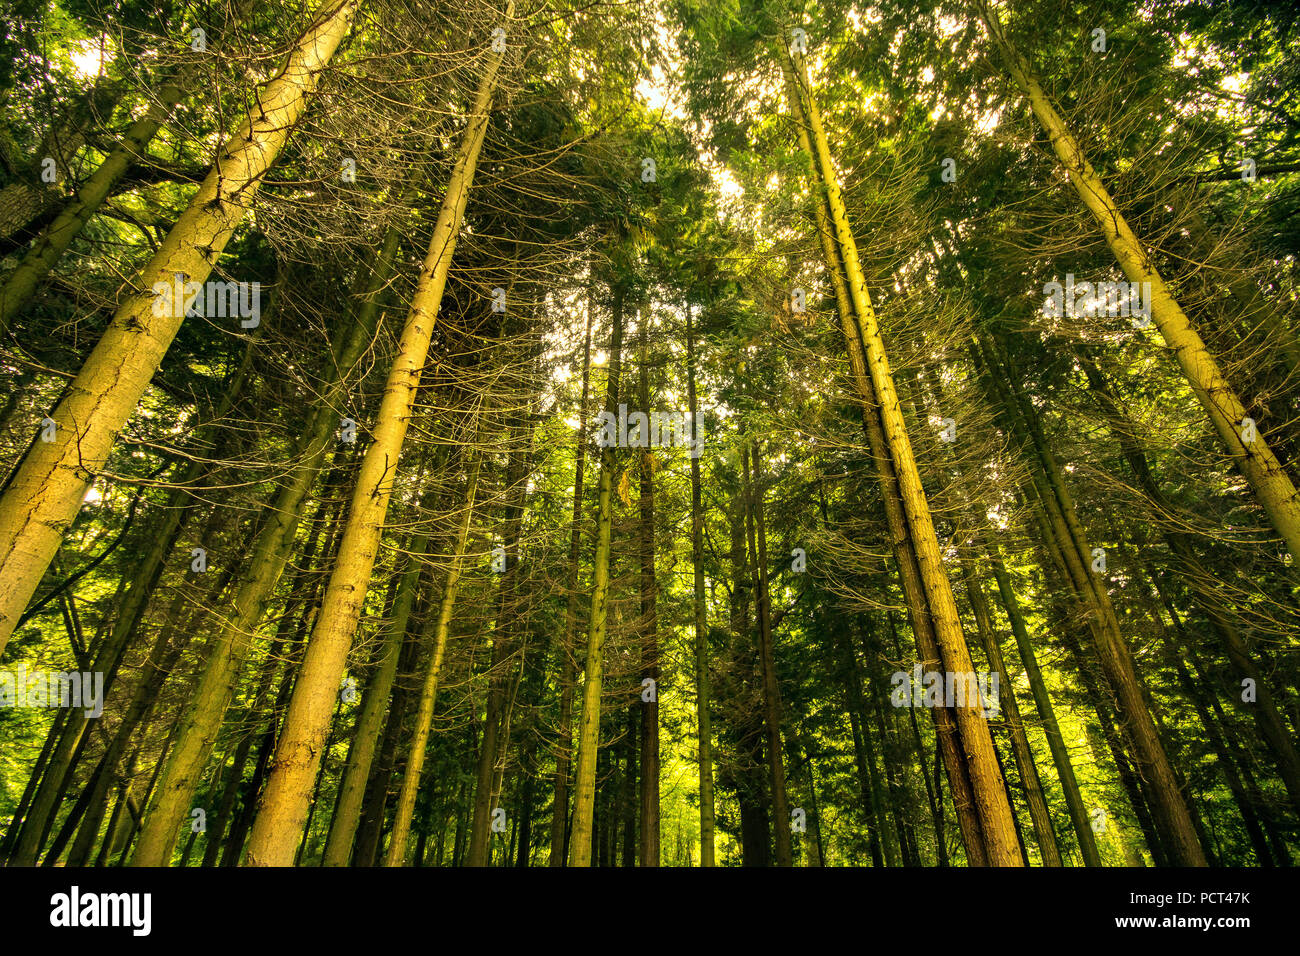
x: 677, y: 433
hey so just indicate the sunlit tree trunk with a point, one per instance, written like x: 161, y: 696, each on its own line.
x: 496, y: 719
x: 1272, y: 486
x: 284, y: 804
x: 1046, y: 712
x: 703, y: 692
x: 1170, y: 810
x: 369, y: 723
x: 1038, y: 812
x: 405, y: 807
x: 995, y: 842
x: 568, y: 652
x: 235, y: 641
x: 47, y: 490
x: 584, y: 783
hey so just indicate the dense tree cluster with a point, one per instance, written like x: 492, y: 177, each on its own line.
x: 700, y: 432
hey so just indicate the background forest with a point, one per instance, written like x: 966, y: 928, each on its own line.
x: 531, y: 432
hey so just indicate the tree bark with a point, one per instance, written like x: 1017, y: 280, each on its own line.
x: 584, y: 790
x: 703, y: 692
x: 568, y: 652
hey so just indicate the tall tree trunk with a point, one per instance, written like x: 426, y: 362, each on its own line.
x: 584, y: 783
x: 703, y: 694
x: 873, y: 799
x: 284, y: 804
x: 978, y: 792
x: 649, y: 790
x: 495, y: 717
x: 627, y: 812
x: 1272, y: 486
x: 568, y: 652
x: 47, y: 489
x: 1199, y: 581
x: 1046, y: 712
x: 405, y: 808
x: 757, y: 535
x: 1038, y: 812
x: 369, y: 724
x: 233, y: 644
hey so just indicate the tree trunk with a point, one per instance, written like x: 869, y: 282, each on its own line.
x: 1046, y: 712
x: 702, y: 690
x: 1272, y: 486
x: 584, y: 784
x: 284, y: 805
x: 405, y: 807
x: 757, y: 535
x: 495, y: 722
x: 47, y: 490
x: 932, y: 608
x: 233, y: 644
x: 568, y: 652
x: 649, y: 779
x: 1038, y: 812
x: 369, y: 724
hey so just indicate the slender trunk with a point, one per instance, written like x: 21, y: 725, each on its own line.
x: 584, y: 784
x: 873, y: 798
x: 703, y: 692
x: 628, y: 807
x: 649, y: 779
x: 369, y: 725
x: 1046, y: 712
x: 900, y: 793
x: 1038, y: 812
x: 405, y: 808
x: 496, y: 719
x: 279, y: 821
x: 757, y: 535
x: 235, y: 642
x: 568, y: 668
x: 931, y: 606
